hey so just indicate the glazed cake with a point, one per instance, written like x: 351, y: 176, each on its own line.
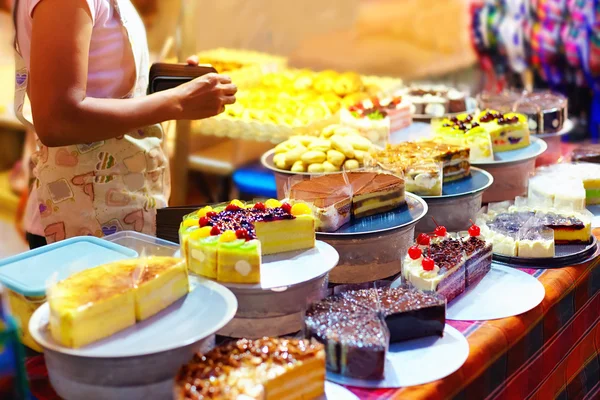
x: 454, y: 159
x: 508, y: 131
x: 101, y: 301
x: 338, y: 197
x: 357, y: 326
x: 265, y: 369
x: 226, y: 243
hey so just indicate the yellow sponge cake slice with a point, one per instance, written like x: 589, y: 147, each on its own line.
x: 99, y: 302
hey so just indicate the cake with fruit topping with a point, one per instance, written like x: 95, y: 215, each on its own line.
x: 448, y: 263
x: 338, y: 197
x: 508, y: 131
x: 226, y: 243
x: 436, y: 266
x: 357, y: 326
x: 464, y: 132
x: 395, y: 109
x: 372, y: 123
x: 435, y: 100
x: 266, y: 369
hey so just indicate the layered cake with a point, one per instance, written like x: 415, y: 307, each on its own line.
x: 357, y: 326
x: 527, y: 233
x: 566, y: 186
x: 226, y: 242
x: 546, y: 112
x: 99, y: 302
x: 398, y: 157
x: 376, y: 118
x: 436, y: 266
x: 436, y: 263
x: 265, y: 369
x: 464, y: 132
x: 435, y: 100
x: 338, y: 197
x: 508, y: 131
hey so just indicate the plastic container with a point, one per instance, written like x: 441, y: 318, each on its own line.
x: 144, y: 245
x: 27, y: 275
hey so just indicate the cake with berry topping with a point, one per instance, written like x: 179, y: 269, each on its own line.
x: 357, y: 326
x: 226, y: 242
x: 478, y: 253
x: 266, y: 369
x: 435, y: 100
x: 506, y: 131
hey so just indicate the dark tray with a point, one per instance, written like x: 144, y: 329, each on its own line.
x: 565, y: 255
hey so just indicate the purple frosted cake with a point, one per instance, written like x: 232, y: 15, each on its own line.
x: 357, y: 326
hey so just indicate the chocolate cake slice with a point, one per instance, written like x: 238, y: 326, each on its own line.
x: 478, y: 259
x: 588, y: 153
x: 357, y: 326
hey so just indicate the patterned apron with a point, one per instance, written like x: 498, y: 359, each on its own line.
x: 103, y: 187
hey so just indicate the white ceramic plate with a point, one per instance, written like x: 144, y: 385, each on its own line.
x: 206, y: 309
x: 534, y: 150
x: 417, y: 362
x: 337, y: 392
x: 294, y: 267
x: 503, y: 292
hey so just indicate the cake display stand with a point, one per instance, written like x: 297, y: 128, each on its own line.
x: 459, y: 203
x: 416, y: 362
x: 511, y: 171
x: 553, y: 140
x: 565, y: 255
x: 372, y: 248
x: 138, y: 362
x: 289, y: 283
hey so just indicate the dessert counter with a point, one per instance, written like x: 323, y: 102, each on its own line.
x: 548, y: 352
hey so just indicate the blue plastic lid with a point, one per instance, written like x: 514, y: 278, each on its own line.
x: 30, y: 272
x: 255, y: 180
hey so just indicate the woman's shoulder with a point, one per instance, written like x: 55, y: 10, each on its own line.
x: 96, y: 7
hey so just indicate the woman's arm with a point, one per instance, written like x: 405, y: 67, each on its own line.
x: 62, y: 113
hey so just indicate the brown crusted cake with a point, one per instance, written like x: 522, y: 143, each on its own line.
x: 337, y: 197
x: 265, y: 369
x: 454, y: 159
x: 357, y: 326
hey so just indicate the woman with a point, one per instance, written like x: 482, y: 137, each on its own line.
x: 100, y: 165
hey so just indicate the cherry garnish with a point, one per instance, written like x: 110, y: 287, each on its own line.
x: 440, y: 231
x: 241, y: 234
x: 414, y: 252
x: 423, y: 239
x: 428, y: 264
x: 260, y: 206
x: 287, y: 207
x: 215, y: 231
x: 211, y: 214
x: 474, y: 230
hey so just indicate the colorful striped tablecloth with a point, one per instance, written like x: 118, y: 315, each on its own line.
x: 550, y: 352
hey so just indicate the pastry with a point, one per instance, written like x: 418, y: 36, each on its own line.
x: 546, y: 112
x: 436, y: 266
x: 507, y: 131
x: 266, y: 369
x: 461, y: 132
x: 357, y: 326
x: 337, y: 148
x: 226, y: 243
x: 398, y: 157
x: 478, y: 253
x: 101, y: 301
x: 435, y: 100
x: 338, y: 197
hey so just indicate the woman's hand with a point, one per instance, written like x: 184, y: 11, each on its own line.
x: 205, y: 96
